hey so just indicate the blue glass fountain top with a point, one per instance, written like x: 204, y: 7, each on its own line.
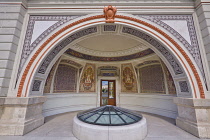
x: 109, y: 116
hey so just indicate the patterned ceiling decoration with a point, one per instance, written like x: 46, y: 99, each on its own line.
x: 71, y: 62
x: 173, y: 62
x: 63, y: 44
x: 193, y: 48
x: 30, y: 46
x: 109, y: 27
x: 148, y: 62
x: 109, y: 59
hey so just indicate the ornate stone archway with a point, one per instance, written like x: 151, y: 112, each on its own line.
x: 169, y: 48
x: 189, y: 66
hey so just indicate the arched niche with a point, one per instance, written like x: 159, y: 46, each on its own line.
x: 188, y: 80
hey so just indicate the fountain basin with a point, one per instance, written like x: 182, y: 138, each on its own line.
x: 110, y: 127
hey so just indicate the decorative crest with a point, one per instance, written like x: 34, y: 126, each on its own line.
x: 109, y: 13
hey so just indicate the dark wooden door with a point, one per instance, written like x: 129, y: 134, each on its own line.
x: 108, y: 92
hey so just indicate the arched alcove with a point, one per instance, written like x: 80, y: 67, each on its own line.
x: 183, y: 69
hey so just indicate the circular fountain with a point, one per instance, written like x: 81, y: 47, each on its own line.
x: 109, y: 123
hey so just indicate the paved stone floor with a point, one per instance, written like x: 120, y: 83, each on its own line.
x: 59, y: 127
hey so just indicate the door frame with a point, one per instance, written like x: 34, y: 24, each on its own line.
x: 117, y: 88
x: 108, y: 90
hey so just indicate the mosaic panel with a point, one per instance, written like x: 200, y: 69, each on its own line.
x: 175, y: 65
x: 108, y: 59
x: 28, y: 46
x: 128, y: 78
x: 183, y: 86
x: 109, y: 28
x: 63, y: 44
x: 65, y: 79
x: 194, y: 47
x: 88, y: 79
x: 152, y: 79
x: 36, y: 85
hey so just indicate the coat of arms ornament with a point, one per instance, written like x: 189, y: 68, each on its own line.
x: 109, y: 13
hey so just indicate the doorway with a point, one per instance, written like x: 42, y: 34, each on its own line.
x: 108, y: 92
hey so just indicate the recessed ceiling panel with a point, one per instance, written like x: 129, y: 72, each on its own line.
x: 109, y: 43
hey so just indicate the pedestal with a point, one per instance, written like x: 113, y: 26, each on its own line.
x: 194, y: 116
x: 20, y: 115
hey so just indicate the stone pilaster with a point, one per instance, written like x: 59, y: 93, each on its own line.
x: 19, y: 116
x: 11, y: 20
x: 194, y: 116
x: 203, y: 13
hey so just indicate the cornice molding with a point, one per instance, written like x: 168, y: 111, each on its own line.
x: 91, y: 6
x: 121, y: 4
x: 116, y: 2
x: 24, y: 3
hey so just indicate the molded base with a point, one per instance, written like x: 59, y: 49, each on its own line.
x: 85, y: 131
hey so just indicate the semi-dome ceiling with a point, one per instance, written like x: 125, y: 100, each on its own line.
x: 107, y: 46
x: 110, y: 43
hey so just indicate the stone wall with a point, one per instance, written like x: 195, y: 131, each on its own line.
x: 20, y: 115
x: 11, y: 20
x: 156, y: 104
x: 61, y: 103
x: 203, y: 13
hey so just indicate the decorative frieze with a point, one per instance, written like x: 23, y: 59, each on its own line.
x: 29, y: 46
x: 173, y: 62
x: 63, y: 44
x: 109, y: 28
x: 71, y: 62
x: 109, y: 59
x: 108, y: 71
x: 148, y: 62
x: 193, y: 46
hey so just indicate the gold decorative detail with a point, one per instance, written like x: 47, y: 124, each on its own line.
x: 109, y: 13
x: 87, y: 83
x: 129, y: 82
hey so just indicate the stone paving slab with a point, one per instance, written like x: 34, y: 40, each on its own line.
x: 59, y: 127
